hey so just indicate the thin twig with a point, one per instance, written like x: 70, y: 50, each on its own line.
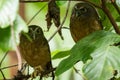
x: 3, y: 58
x: 9, y: 67
x: 61, y: 23
x: 79, y: 73
x: 116, y: 6
x: 36, y: 14
x: 1, y: 64
x: 2, y: 74
x: 65, y: 28
x: 108, y: 13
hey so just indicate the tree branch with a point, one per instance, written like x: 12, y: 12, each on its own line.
x: 9, y: 66
x: 3, y: 58
x: 26, y: 1
x: 79, y: 73
x: 98, y: 6
x: 36, y: 14
x: 2, y: 74
x: 32, y: 1
x: 116, y: 6
x: 107, y: 12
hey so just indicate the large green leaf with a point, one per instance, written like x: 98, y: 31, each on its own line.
x: 82, y: 50
x: 118, y: 2
x: 8, y: 12
x: 105, y: 61
x: 6, y: 40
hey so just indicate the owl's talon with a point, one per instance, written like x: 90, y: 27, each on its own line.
x: 35, y: 74
x: 38, y: 70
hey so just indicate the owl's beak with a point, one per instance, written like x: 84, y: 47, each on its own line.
x: 33, y: 36
x: 78, y: 13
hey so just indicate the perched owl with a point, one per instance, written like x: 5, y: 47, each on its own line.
x: 35, y: 50
x: 84, y: 20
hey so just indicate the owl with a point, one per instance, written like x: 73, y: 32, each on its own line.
x: 83, y: 21
x: 35, y: 50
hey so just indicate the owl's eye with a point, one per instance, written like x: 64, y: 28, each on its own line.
x: 38, y: 31
x: 83, y: 10
x: 30, y: 30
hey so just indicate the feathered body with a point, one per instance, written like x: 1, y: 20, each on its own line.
x: 35, y: 50
x: 84, y: 20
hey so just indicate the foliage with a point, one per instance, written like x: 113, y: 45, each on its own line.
x: 8, y: 12
x: 99, y: 51
x: 8, y: 18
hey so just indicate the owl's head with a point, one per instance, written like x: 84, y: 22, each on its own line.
x: 35, y: 32
x: 83, y: 10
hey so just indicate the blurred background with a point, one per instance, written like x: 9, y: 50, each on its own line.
x: 27, y: 11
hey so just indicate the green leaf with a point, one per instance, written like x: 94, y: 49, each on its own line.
x: 96, y: 1
x: 8, y: 12
x: 82, y: 50
x: 59, y: 2
x: 104, y: 19
x: 60, y: 54
x: 105, y: 61
x: 6, y: 40
x: 118, y: 19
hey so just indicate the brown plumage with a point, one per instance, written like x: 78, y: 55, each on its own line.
x: 35, y: 50
x: 84, y: 20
